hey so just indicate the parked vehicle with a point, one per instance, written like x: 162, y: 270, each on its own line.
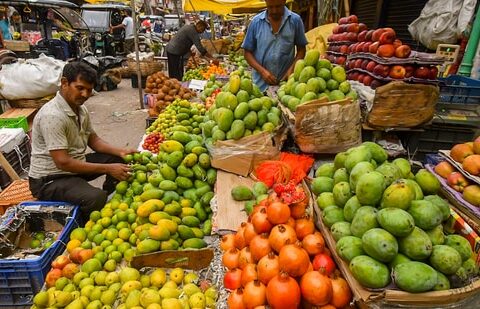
x: 99, y: 18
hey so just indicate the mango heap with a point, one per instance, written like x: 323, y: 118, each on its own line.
x: 387, y: 222
x: 240, y: 110
x: 101, y: 289
x: 181, y: 115
x: 312, y: 79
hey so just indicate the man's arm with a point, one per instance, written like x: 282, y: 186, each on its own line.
x: 99, y: 145
x: 267, y: 76
x: 300, y: 55
x: 195, y: 37
x: 66, y: 163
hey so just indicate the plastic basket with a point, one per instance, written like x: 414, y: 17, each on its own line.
x: 459, y: 89
x: 20, y: 280
x: 20, y: 122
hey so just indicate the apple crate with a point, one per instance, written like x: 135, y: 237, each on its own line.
x: 22, y: 277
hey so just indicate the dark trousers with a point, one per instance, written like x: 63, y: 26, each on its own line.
x: 75, y: 189
x: 175, y: 66
x: 129, y: 46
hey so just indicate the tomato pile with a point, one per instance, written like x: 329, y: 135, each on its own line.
x: 152, y: 142
x: 278, y: 258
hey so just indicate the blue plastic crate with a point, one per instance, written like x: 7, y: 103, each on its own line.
x: 459, y: 89
x: 20, y: 280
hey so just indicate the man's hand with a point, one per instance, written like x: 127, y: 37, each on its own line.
x: 127, y: 151
x: 119, y: 171
x: 111, y: 29
x: 268, y: 77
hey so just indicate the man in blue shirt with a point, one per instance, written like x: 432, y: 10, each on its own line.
x: 270, y: 43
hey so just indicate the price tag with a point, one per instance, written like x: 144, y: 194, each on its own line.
x: 196, y: 84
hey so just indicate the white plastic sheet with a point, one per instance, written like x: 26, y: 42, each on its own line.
x: 31, y: 79
x: 442, y: 22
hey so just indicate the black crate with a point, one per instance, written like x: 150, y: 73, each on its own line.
x: 438, y: 136
x: 134, y: 80
x: 149, y: 121
x: 19, y: 159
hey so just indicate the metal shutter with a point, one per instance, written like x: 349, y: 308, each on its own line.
x: 365, y: 11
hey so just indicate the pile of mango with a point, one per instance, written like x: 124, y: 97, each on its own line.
x: 240, y: 110
x: 387, y: 222
x: 312, y: 79
x: 181, y: 115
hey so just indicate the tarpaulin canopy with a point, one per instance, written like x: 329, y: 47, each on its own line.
x: 222, y: 7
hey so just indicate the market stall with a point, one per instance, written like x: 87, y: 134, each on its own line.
x: 243, y: 199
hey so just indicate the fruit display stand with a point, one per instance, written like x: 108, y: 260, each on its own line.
x: 391, y: 297
x: 23, y: 272
x: 320, y: 126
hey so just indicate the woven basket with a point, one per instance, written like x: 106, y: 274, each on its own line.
x: 30, y: 103
x: 17, y: 192
x: 325, y: 127
x: 147, y: 67
x: 402, y: 105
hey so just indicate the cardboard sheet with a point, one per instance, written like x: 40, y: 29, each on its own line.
x: 230, y: 213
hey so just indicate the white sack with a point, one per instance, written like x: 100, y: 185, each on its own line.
x: 31, y: 79
x: 442, y: 22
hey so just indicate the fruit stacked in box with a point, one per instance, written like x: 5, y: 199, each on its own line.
x: 312, y: 79
x: 240, y: 110
x: 387, y: 222
x: 344, y: 35
x: 164, y: 205
x: 468, y: 155
x: 278, y: 258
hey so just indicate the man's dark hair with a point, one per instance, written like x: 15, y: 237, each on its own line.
x: 128, y: 13
x: 202, y: 23
x: 80, y: 70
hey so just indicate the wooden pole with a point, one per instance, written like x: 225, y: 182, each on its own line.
x: 8, y: 168
x: 346, y: 4
x: 137, y: 56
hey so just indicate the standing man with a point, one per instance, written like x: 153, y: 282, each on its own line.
x: 270, y: 43
x: 60, y: 167
x: 179, y: 47
x: 129, y: 26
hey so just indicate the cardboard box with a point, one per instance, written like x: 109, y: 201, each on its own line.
x: 243, y: 155
x: 189, y: 259
x: 388, y: 297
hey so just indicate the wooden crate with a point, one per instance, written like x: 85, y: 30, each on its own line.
x: 17, y: 192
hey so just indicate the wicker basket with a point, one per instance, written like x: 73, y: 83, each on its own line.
x: 30, y: 103
x: 325, y: 127
x: 147, y: 67
x: 402, y: 105
x: 17, y: 192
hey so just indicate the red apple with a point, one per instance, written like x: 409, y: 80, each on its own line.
x: 402, y: 51
x: 350, y: 64
x: 352, y: 19
x: 422, y: 72
x: 397, y: 72
x: 353, y: 28
x: 351, y: 37
x: 444, y: 169
x: 70, y: 270
x: 365, y: 63
x: 367, y: 80
x: 386, y: 50
x: 362, y: 36
x: 370, y: 66
x: 60, y: 262
x: 355, y: 76
x: 85, y: 255
x: 373, y: 47
x: 341, y: 60
x: 369, y: 35
x: 362, y: 27
x: 343, y: 20
x: 460, y: 151
x: 358, y: 63
x: 390, y: 30
x: 375, y: 84
x: 361, y: 77
x: 433, y: 73
x: 359, y: 47
x: 344, y: 28
x: 409, y: 69
x: 336, y: 29
x: 366, y: 46
x: 377, y: 34
x: 330, y: 38
x: 343, y: 49
x: 381, y: 70
x: 387, y: 38
x: 457, y: 181
x: 397, y: 43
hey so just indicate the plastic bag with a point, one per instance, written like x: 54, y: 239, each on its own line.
x: 32, y: 79
x: 442, y: 22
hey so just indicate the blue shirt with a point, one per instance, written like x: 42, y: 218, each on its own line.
x: 274, y: 51
x: 5, y: 28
